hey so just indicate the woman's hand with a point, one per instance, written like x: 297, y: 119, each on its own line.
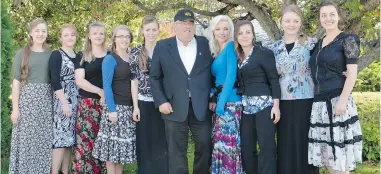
x: 112, y: 116
x: 275, y: 114
x: 102, y: 95
x: 212, y: 106
x: 15, y: 116
x: 341, y: 106
x: 136, y: 115
x: 66, y: 110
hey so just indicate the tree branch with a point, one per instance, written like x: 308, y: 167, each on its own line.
x: 370, y: 4
x: 372, y: 53
x: 289, y: 2
x: 165, y: 6
x: 354, y: 25
x: 262, y: 14
x: 201, y: 23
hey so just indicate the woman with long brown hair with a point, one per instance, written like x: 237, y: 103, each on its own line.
x: 65, y: 99
x: 151, y: 146
x: 259, y: 86
x: 88, y: 77
x: 31, y: 144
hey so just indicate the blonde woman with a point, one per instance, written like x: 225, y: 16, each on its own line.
x: 115, y: 143
x: 226, y: 155
x: 292, y: 54
x: 88, y: 77
x: 65, y: 99
x: 31, y: 144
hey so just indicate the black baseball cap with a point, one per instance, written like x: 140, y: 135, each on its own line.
x: 183, y: 15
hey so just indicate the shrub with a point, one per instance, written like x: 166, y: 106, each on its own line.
x: 369, y: 78
x: 7, y: 52
x: 368, y: 107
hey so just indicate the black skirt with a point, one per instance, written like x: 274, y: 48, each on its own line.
x: 151, y: 144
x: 292, y: 137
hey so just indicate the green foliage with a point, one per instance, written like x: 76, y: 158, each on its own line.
x: 364, y: 168
x: 7, y: 52
x: 369, y: 78
x: 368, y: 107
x: 80, y: 13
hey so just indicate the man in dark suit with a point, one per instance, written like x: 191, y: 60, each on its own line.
x: 180, y: 79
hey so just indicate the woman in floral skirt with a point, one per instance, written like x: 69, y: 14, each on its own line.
x: 32, y: 132
x: 88, y: 76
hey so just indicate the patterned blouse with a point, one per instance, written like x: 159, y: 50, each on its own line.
x: 144, y: 91
x: 294, y: 73
x: 254, y: 104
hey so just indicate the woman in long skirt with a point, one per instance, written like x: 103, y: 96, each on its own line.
x: 335, y: 137
x: 226, y: 155
x: 31, y: 144
x: 88, y: 77
x: 115, y: 144
x: 151, y: 144
x: 292, y: 54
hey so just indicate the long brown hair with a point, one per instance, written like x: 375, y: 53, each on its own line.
x: 113, y: 35
x: 324, y: 3
x: 87, y: 51
x: 295, y: 9
x: 28, y: 50
x: 143, y: 56
x: 237, y: 46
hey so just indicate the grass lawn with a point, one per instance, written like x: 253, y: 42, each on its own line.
x: 365, y: 168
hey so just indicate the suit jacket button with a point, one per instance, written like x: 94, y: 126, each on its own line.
x: 187, y: 90
x: 189, y: 78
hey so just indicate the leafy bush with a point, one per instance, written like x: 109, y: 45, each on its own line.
x: 368, y: 107
x: 369, y: 78
x: 7, y: 53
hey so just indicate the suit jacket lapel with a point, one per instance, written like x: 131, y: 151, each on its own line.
x: 175, y: 54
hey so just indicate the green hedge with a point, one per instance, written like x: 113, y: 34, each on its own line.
x: 368, y: 80
x: 7, y: 53
x: 368, y: 107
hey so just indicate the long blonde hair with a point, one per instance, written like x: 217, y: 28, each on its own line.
x: 113, y: 34
x: 87, y: 51
x: 28, y: 50
x: 302, y: 39
x: 213, y: 43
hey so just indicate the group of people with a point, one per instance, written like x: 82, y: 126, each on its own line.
x: 292, y: 99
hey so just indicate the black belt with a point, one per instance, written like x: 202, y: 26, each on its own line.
x: 327, y: 97
x: 218, y: 90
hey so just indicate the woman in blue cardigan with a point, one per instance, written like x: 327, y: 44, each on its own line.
x: 226, y: 157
